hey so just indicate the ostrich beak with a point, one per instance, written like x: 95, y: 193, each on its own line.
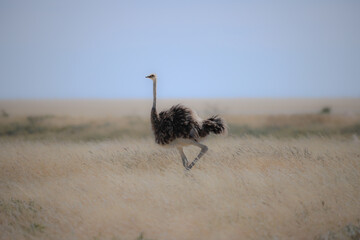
x: 147, y: 76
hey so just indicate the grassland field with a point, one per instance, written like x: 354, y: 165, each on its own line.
x: 290, y: 175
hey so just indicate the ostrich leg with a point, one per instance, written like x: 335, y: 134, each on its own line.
x: 204, y: 149
x: 183, y: 158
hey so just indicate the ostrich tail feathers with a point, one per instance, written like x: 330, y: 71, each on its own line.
x: 214, y: 124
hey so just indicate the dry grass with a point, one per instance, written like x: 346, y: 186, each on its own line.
x: 42, y: 127
x: 88, y: 170
x: 244, y: 188
x: 141, y: 107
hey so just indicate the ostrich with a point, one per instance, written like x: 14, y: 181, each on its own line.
x: 180, y: 126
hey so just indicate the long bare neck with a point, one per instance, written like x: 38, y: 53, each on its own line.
x: 154, y: 115
x: 154, y: 93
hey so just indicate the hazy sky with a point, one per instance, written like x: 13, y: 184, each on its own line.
x: 104, y: 49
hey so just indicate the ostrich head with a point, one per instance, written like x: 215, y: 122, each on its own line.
x: 152, y: 77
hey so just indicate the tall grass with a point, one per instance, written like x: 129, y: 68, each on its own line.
x: 243, y: 188
x: 89, y: 129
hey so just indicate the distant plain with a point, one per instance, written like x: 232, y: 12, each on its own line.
x: 89, y: 169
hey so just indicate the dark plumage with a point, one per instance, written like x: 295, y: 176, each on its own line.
x: 181, y: 123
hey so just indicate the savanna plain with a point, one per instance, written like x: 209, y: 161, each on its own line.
x: 288, y: 169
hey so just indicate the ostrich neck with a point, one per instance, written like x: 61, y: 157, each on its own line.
x: 154, y: 115
x: 154, y: 93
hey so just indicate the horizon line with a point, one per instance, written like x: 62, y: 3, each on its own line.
x: 175, y: 98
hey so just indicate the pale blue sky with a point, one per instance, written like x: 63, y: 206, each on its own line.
x: 104, y: 49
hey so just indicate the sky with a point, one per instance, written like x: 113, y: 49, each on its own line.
x: 198, y: 49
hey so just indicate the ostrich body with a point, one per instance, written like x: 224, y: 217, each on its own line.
x: 180, y: 126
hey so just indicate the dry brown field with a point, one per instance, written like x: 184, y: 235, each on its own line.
x: 68, y: 171
x: 141, y: 107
